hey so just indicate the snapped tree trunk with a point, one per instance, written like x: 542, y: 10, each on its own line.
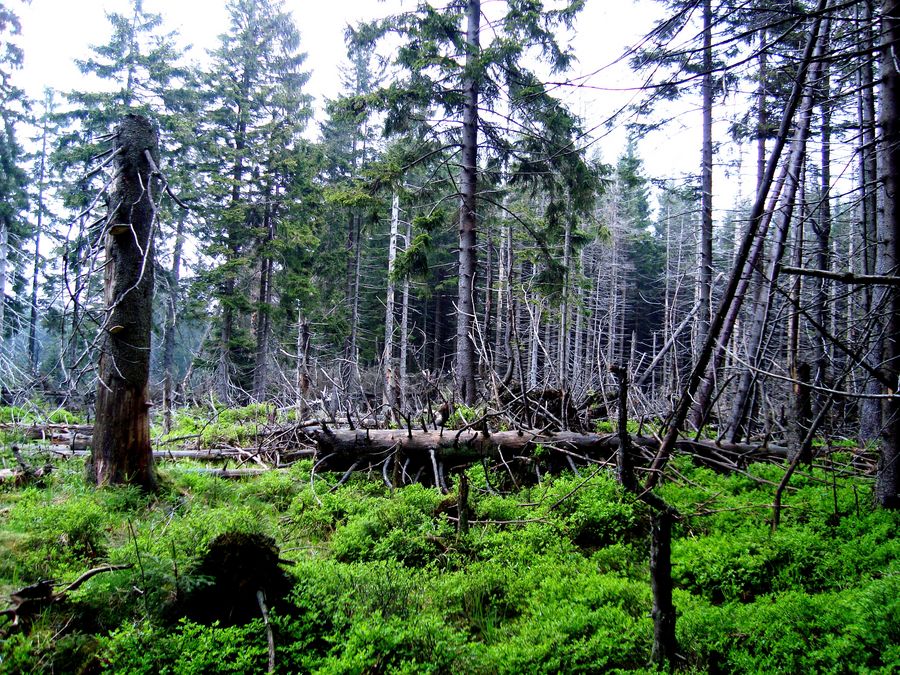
x: 121, y: 451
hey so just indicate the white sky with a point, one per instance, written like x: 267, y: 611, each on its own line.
x: 55, y: 32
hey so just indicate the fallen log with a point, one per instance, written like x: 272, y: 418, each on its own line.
x: 211, y: 455
x: 406, y: 454
x: 472, y: 445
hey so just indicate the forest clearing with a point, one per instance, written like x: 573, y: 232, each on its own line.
x: 412, y: 379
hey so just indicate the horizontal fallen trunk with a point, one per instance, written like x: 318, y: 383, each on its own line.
x: 408, y: 456
x: 335, y: 447
x: 211, y: 455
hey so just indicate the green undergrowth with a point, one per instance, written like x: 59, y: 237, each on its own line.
x: 551, y: 578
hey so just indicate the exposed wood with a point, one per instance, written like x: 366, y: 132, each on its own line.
x: 122, y: 451
x: 28, y: 602
x: 844, y: 277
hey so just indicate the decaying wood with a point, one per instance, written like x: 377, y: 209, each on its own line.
x: 30, y: 600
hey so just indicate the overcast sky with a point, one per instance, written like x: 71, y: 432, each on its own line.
x: 55, y: 32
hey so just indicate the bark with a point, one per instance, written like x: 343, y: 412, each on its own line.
x: 404, y: 333
x: 624, y: 459
x: 121, y: 450
x: 563, y: 340
x: 264, y: 306
x: 36, y: 265
x: 4, y: 254
x: 390, y: 372
x: 886, y: 485
x: 465, y: 447
x: 822, y: 225
x: 870, y: 409
x: 301, y: 376
x: 354, y: 266
x: 763, y: 110
x: 663, y: 612
x: 706, y: 214
x: 465, y: 347
x: 169, y: 332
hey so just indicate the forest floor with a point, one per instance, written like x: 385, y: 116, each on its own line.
x: 357, y: 577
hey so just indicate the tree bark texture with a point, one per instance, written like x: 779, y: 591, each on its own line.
x: 465, y: 308
x: 171, y: 321
x: 870, y: 409
x: 121, y: 446
x: 706, y: 212
x: 886, y: 485
x: 663, y: 612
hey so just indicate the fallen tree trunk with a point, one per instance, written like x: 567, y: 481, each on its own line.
x: 404, y: 454
x: 470, y: 444
x: 212, y: 455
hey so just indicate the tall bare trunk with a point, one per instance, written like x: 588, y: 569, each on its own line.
x: 264, y: 307
x: 4, y: 254
x: 390, y: 373
x: 822, y: 230
x: 169, y: 332
x: 886, y: 484
x: 121, y: 444
x: 705, y: 258
x: 870, y: 408
x: 404, y: 332
x: 38, y: 230
x: 465, y: 308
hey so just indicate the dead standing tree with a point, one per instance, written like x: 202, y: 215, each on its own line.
x: 121, y: 446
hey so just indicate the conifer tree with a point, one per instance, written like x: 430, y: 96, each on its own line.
x: 256, y: 110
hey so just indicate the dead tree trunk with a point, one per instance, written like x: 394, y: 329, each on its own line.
x: 886, y: 485
x: 465, y: 309
x: 870, y: 408
x: 706, y: 213
x: 121, y: 447
x: 169, y: 331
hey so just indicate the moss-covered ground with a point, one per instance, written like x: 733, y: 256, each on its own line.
x: 552, y: 577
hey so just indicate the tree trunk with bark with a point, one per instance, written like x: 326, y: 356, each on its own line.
x: 465, y: 309
x: 121, y: 450
x: 390, y: 371
x: 870, y: 408
x: 169, y: 331
x: 705, y: 258
x: 36, y: 265
x: 886, y: 485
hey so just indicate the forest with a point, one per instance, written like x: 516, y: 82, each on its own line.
x: 418, y: 379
